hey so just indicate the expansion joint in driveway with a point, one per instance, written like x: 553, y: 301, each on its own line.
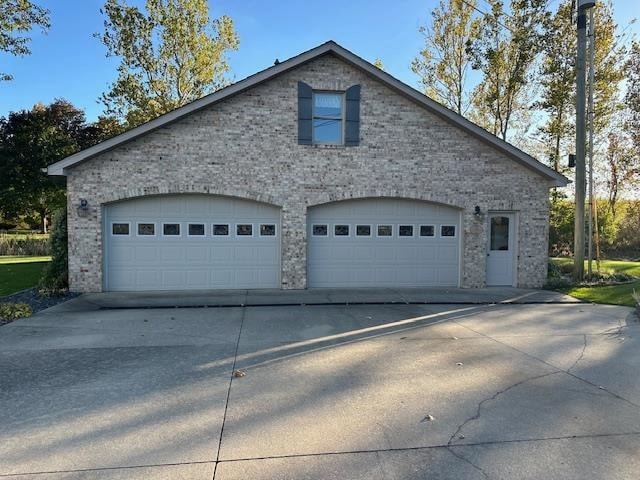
x: 226, y: 405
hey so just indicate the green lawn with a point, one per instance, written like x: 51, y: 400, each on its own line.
x: 18, y: 273
x: 611, y: 294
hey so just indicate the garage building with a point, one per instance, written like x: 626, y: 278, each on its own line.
x: 321, y: 171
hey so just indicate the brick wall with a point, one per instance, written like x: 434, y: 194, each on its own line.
x: 246, y: 146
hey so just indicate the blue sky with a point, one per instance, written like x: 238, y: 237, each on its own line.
x: 70, y: 63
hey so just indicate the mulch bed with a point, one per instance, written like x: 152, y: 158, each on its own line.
x: 35, y: 301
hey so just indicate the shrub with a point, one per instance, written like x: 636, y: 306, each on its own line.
x: 23, y: 245
x: 55, y: 278
x: 13, y: 311
x: 553, y: 270
x: 557, y: 283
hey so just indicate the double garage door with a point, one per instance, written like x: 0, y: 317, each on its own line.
x: 182, y: 242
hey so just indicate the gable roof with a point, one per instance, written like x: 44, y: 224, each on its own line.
x: 60, y: 167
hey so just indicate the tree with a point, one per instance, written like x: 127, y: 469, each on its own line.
x: 29, y: 141
x: 505, y: 53
x: 444, y: 62
x: 169, y: 56
x: 18, y: 17
x: 632, y: 96
x: 378, y: 63
x: 623, y: 168
x: 557, y: 78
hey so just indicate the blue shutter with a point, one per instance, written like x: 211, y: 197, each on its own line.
x: 352, y: 117
x: 305, y: 114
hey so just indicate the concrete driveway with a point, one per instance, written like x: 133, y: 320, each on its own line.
x: 367, y: 390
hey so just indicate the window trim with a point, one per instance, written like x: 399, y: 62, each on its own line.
x: 121, y: 234
x: 342, y: 118
x: 155, y: 229
x: 253, y: 230
x: 385, y: 225
x: 455, y: 230
x: 275, y: 230
x: 204, y: 225
x: 172, y: 223
x: 313, y: 234
x: 213, y: 229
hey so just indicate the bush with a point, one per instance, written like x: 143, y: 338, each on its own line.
x: 23, y: 245
x: 55, y: 278
x: 557, y: 283
x: 13, y: 311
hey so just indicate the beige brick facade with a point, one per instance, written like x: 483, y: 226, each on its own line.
x: 246, y: 146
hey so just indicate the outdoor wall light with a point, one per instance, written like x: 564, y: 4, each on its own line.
x: 83, y: 208
x: 476, y: 211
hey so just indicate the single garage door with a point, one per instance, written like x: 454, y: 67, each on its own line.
x: 383, y: 242
x: 179, y: 242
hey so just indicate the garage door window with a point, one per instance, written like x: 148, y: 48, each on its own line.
x: 220, y: 230
x: 171, y: 229
x: 447, y: 231
x: 146, y: 229
x: 196, y: 230
x: 385, y: 230
x: 341, y: 230
x: 405, y: 231
x: 319, y: 230
x: 363, y: 230
x: 120, y: 228
x: 267, y: 230
x: 427, y: 231
x: 244, y: 230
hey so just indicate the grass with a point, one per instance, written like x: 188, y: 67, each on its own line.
x: 6, y: 260
x: 24, y: 236
x: 610, y: 294
x: 19, y: 273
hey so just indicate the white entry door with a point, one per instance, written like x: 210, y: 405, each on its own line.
x: 501, y: 250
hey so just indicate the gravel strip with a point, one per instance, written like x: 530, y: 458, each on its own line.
x: 35, y: 301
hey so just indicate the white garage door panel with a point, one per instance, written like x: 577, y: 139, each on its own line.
x: 161, y: 262
x: 373, y: 261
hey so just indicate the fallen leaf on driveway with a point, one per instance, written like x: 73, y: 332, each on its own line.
x: 239, y: 373
x: 428, y: 418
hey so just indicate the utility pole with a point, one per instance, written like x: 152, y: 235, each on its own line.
x: 578, y: 246
x: 592, y: 200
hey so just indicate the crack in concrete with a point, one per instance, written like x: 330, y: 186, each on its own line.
x: 581, y: 356
x: 478, y: 413
x: 466, y: 460
x: 613, y: 394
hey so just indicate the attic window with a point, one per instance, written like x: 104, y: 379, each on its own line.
x: 327, y: 117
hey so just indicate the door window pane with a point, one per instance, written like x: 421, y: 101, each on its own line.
x: 196, y: 229
x: 244, y: 230
x: 405, y: 230
x: 220, y: 229
x: 146, y: 229
x: 363, y: 230
x: 171, y: 229
x: 267, y: 229
x: 120, y: 229
x: 499, y: 233
x: 426, y: 231
x: 385, y: 230
x: 341, y: 230
x: 448, y: 231
x: 320, y: 230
